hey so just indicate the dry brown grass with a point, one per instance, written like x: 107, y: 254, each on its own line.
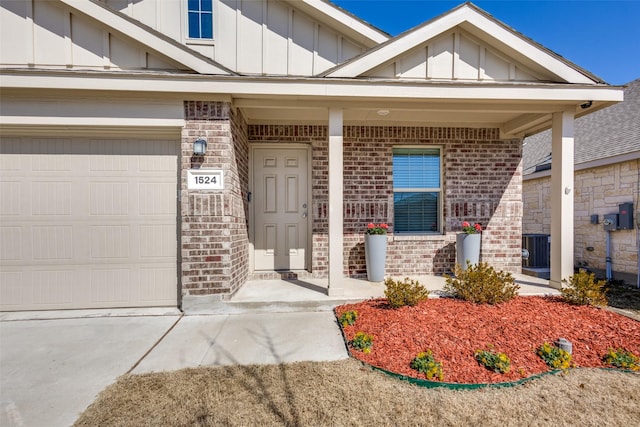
x: 347, y: 393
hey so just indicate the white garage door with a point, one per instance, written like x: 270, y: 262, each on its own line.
x: 87, y: 223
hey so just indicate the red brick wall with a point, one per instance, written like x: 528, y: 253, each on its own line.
x: 482, y: 183
x: 214, y: 242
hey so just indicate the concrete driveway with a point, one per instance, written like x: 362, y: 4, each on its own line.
x: 51, y: 370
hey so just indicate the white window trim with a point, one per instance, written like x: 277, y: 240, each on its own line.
x: 440, y: 190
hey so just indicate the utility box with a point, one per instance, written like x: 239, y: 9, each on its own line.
x: 610, y: 222
x: 625, y: 216
x: 539, y: 247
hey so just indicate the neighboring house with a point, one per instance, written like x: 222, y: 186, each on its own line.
x: 315, y: 124
x: 607, y: 174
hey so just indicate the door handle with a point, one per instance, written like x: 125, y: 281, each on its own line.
x: 304, y: 214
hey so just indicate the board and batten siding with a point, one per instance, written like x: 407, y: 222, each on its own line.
x: 47, y: 34
x: 455, y: 55
x: 251, y: 37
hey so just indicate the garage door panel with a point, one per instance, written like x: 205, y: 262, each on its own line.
x: 52, y: 242
x: 156, y: 284
x: 157, y: 241
x: 110, y: 242
x: 11, y: 239
x: 52, y: 287
x: 87, y: 223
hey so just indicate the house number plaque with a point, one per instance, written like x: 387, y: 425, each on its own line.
x: 208, y: 179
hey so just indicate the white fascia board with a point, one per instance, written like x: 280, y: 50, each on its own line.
x: 464, y: 14
x: 89, y: 121
x: 349, y: 22
x: 171, y: 49
x: 307, y: 87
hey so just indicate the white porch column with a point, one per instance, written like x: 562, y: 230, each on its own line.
x: 562, y: 197
x: 336, y: 238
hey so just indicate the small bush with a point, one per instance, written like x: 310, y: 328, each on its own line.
x: 621, y: 358
x: 582, y: 289
x: 496, y: 362
x: 425, y: 363
x: 481, y: 284
x: 406, y: 292
x: 362, y: 342
x: 554, y: 357
x: 348, y: 318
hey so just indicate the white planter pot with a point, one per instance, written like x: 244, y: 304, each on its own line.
x: 467, y: 249
x: 375, y: 253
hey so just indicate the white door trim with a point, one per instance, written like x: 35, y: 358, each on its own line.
x: 252, y: 214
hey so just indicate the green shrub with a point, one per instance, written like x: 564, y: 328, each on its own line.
x: 621, y: 358
x: 348, y: 318
x: 362, y: 342
x: 425, y: 363
x: 497, y: 362
x: 554, y: 357
x: 582, y: 289
x: 406, y: 292
x: 481, y: 284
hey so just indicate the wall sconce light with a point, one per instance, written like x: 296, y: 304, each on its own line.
x: 199, y: 147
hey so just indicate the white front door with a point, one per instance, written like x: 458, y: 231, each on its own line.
x: 280, y: 208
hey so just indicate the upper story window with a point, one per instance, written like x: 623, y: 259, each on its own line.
x: 417, y: 190
x: 200, y: 17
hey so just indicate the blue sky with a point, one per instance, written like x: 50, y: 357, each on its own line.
x: 602, y: 37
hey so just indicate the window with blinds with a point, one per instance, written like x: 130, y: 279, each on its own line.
x: 417, y: 190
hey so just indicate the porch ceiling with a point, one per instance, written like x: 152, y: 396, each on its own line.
x: 512, y: 118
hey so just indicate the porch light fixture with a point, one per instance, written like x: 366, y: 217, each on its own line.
x: 199, y: 147
x: 383, y: 112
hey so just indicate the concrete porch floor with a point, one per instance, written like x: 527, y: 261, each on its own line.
x: 310, y: 293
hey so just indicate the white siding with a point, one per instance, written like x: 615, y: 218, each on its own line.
x: 455, y: 55
x: 251, y: 36
x: 46, y: 34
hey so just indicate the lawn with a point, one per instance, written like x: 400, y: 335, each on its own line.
x: 348, y: 392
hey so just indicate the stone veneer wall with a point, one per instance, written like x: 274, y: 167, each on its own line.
x: 214, y: 238
x: 598, y: 191
x: 482, y: 183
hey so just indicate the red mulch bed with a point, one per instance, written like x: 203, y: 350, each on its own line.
x: 454, y: 329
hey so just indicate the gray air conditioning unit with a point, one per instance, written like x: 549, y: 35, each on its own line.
x: 539, y: 248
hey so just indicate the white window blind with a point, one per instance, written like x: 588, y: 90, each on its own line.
x: 416, y: 190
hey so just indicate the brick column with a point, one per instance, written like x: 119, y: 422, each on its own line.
x: 214, y: 242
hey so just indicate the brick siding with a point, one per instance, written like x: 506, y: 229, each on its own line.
x: 482, y: 183
x: 214, y: 239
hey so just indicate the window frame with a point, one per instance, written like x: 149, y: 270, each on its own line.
x: 199, y: 40
x: 439, y: 190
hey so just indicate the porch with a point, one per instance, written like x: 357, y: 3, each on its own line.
x: 300, y: 292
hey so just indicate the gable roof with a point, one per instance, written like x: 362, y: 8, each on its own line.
x: 150, y: 38
x: 343, y: 21
x: 483, y: 27
x: 608, y: 133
